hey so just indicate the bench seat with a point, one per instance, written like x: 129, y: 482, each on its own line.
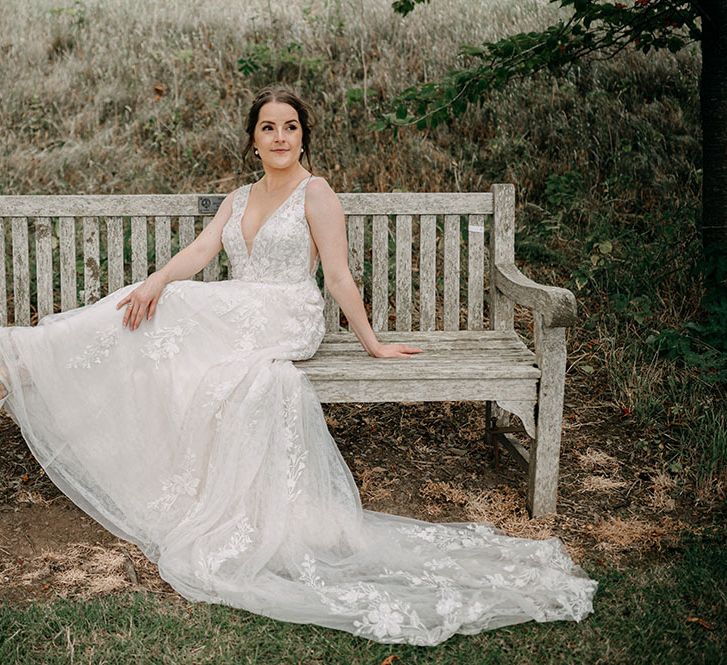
x: 455, y: 365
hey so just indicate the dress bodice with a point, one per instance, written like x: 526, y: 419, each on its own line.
x: 281, y: 247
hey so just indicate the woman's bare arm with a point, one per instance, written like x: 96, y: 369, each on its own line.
x: 202, y: 250
x: 327, y: 222
x: 141, y: 303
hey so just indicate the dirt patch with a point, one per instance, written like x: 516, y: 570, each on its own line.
x: 423, y: 460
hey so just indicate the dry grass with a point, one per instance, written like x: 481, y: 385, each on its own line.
x: 618, y: 534
x: 83, y: 570
x: 134, y: 96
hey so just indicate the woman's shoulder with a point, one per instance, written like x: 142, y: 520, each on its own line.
x: 318, y: 184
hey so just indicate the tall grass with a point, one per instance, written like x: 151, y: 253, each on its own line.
x: 129, y: 96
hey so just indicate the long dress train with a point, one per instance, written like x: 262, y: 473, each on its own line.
x: 197, y: 439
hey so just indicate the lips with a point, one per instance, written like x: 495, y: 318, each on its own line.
x: 280, y: 150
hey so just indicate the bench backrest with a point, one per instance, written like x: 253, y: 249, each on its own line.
x: 400, y: 244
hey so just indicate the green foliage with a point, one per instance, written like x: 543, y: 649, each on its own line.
x: 563, y: 190
x: 593, y: 28
x: 269, y: 64
x: 77, y: 13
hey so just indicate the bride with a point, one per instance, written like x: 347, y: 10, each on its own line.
x: 170, y: 411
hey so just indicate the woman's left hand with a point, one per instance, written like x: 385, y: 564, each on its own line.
x: 394, y: 351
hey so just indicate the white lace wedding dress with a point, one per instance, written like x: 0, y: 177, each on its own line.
x: 197, y: 439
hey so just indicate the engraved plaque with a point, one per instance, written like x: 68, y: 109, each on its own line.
x: 208, y: 205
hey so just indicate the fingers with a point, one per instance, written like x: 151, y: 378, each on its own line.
x: 121, y: 303
x: 139, y: 315
x: 152, y: 308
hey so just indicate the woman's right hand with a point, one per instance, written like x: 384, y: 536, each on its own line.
x: 142, y: 301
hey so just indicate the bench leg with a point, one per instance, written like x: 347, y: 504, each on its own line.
x: 494, y: 417
x: 545, y: 450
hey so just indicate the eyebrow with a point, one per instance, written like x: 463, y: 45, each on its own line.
x: 272, y: 123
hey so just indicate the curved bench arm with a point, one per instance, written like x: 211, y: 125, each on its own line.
x: 556, y: 305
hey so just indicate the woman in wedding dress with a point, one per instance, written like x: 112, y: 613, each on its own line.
x: 170, y: 411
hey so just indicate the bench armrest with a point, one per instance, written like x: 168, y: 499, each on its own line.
x: 557, y: 305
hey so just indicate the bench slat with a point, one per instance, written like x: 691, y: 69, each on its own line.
x: 421, y: 335
x: 115, y: 252
x: 186, y: 231
x: 451, y: 272
x: 403, y: 272
x: 148, y: 205
x: 91, y: 261
x: 21, y: 271
x: 416, y: 390
x: 139, y: 266
x: 67, y: 253
x: 44, y: 265
x: 427, y: 272
x: 475, y: 272
x: 380, y: 273
x: 162, y: 240
x: 331, y: 311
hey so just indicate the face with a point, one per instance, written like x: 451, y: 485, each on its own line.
x: 278, y: 135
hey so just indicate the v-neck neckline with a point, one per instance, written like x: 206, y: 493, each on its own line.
x: 260, y: 228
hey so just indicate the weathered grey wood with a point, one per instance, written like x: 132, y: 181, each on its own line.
x: 523, y: 410
x: 67, y: 255
x: 356, y: 253
x: 545, y: 454
x: 162, y: 240
x: 91, y: 261
x: 115, y: 252
x: 427, y: 272
x: 139, y: 262
x: 519, y: 452
x: 21, y: 271
x: 475, y: 272
x: 44, y: 265
x: 380, y: 270
x: 502, y: 251
x: 403, y: 272
x: 3, y: 277
x: 557, y: 305
x: 186, y: 231
x: 331, y: 311
x: 148, y: 205
x: 451, y: 272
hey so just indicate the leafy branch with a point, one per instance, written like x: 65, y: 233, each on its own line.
x: 593, y: 28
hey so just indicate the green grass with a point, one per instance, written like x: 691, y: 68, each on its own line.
x: 643, y: 614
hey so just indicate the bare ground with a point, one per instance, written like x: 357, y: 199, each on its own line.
x: 427, y: 460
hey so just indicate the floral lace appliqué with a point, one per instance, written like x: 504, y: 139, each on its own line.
x: 378, y: 613
x: 178, y: 484
x: 96, y: 351
x: 297, y: 456
x: 164, y: 343
x: 238, y: 542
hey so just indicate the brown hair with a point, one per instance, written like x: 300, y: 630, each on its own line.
x: 285, y: 96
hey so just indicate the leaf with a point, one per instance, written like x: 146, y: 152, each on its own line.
x: 389, y: 660
x: 605, y: 247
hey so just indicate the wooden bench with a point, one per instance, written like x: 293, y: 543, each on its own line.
x: 429, y: 236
